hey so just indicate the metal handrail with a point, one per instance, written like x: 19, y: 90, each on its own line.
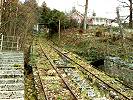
x: 8, y: 38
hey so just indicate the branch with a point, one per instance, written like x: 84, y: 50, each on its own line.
x: 123, y: 2
x: 127, y: 17
x: 80, y: 5
x: 125, y: 6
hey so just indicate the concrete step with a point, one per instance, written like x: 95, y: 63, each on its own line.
x: 11, y: 80
x: 11, y: 72
x: 11, y: 76
x: 11, y: 68
x: 3, y: 64
x: 14, y: 99
x: 12, y: 87
x: 14, y: 54
x: 11, y: 59
x: 11, y: 95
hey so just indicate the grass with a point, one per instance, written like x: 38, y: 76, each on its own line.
x: 59, y: 97
x: 94, y: 48
x: 54, y: 86
x: 30, y: 93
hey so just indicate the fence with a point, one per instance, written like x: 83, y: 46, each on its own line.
x: 9, y: 43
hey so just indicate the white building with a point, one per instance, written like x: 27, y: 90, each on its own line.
x: 102, y: 21
x: 93, y: 20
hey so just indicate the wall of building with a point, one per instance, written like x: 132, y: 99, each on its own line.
x: 77, y: 16
x: 93, y: 20
x: 101, y: 21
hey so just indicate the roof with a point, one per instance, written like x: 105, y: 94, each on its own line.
x: 78, y: 13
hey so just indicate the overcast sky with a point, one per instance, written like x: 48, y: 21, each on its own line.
x: 102, y: 8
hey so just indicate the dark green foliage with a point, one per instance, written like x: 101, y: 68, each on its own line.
x: 50, y: 18
x: 73, y: 23
x: 88, y: 51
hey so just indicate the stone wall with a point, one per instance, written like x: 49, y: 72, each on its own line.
x: 116, y: 67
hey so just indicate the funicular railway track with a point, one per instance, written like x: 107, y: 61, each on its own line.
x: 63, y: 80
x: 123, y: 95
x: 43, y: 84
x: 117, y: 91
x: 126, y: 85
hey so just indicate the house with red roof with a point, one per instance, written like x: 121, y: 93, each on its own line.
x: 92, y: 20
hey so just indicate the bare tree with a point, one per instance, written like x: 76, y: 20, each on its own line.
x: 131, y: 12
x: 129, y: 4
x: 1, y: 3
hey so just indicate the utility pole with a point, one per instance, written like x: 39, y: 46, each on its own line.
x: 85, y: 16
x: 59, y: 31
x: 131, y: 16
x: 119, y: 21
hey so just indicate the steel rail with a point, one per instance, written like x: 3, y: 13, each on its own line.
x: 127, y: 98
x: 104, y: 72
x: 54, y: 67
x: 42, y: 88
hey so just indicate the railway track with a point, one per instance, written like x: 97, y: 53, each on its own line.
x: 63, y: 80
x: 126, y: 85
x: 64, y: 88
x: 74, y: 90
x: 126, y: 95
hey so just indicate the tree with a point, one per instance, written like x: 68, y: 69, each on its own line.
x: 18, y: 19
x: 9, y: 14
x: 27, y: 19
x: 50, y: 18
x: 129, y: 4
x: 131, y: 12
x: 16, y: 15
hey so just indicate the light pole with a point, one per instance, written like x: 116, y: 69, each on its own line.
x: 85, y: 16
x: 59, y: 31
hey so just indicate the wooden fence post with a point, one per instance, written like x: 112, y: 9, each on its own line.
x: 18, y: 43
x: 1, y: 42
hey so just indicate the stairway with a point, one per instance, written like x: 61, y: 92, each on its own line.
x: 11, y: 76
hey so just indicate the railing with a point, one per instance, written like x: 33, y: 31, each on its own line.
x: 1, y: 41
x: 9, y: 43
